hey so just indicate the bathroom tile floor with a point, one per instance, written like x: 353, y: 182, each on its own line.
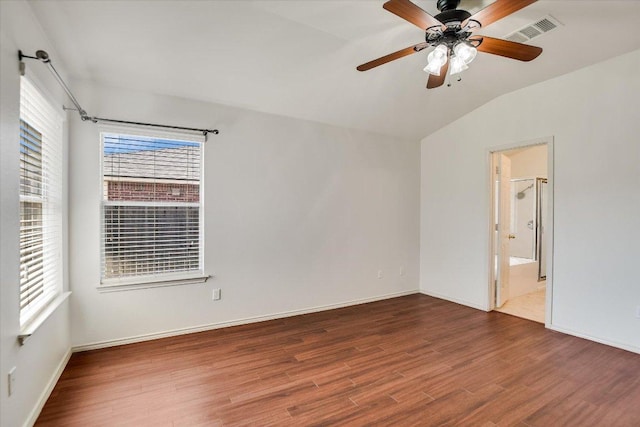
x: 530, y: 306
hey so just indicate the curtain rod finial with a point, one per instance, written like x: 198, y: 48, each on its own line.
x: 43, y: 56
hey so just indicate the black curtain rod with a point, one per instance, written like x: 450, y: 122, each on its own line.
x: 205, y: 132
x: 43, y: 56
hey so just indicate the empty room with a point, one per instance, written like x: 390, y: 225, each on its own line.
x: 319, y: 212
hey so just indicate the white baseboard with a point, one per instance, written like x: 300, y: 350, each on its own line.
x: 456, y: 300
x: 236, y: 322
x: 628, y: 347
x: 35, y: 412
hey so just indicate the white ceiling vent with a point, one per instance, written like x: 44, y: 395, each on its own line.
x: 541, y: 26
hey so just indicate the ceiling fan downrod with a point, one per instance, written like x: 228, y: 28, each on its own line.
x: 449, y: 15
x: 444, y: 5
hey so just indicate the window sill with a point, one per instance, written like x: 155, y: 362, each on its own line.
x: 153, y: 283
x: 31, y: 327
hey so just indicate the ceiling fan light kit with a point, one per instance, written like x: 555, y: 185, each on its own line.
x: 451, y: 34
x: 465, y: 52
x: 457, y: 66
x: 436, y: 59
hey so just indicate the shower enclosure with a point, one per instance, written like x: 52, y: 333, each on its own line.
x: 541, y: 185
x: 528, y: 222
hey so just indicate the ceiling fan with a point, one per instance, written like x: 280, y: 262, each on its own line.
x: 451, y: 33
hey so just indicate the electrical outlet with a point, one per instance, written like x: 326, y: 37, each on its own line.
x: 638, y: 312
x: 380, y: 275
x: 12, y: 381
x: 402, y: 272
x: 217, y: 294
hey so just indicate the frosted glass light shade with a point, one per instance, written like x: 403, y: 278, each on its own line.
x: 458, y: 65
x: 436, y: 59
x: 433, y: 67
x: 465, y: 52
x: 439, y: 53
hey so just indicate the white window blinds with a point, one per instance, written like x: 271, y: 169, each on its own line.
x: 151, y: 208
x: 40, y: 201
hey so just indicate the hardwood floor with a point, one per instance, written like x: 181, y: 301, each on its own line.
x: 406, y: 361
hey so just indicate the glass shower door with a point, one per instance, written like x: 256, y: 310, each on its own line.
x: 523, y: 219
x: 542, y: 225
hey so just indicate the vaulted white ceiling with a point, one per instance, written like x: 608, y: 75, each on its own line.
x: 299, y: 58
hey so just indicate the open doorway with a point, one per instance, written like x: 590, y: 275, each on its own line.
x: 520, y: 202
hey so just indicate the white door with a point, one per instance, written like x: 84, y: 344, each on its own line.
x: 503, y: 179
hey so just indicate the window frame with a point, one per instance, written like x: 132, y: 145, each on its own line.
x: 51, y: 200
x: 113, y: 284
x: 32, y: 203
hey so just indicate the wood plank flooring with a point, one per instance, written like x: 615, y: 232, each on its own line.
x: 406, y: 361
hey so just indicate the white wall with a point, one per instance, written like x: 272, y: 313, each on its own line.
x: 529, y: 163
x: 594, y: 122
x: 298, y: 215
x: 36, y: 362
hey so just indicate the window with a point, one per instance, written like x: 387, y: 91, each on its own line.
x: 40, y: 202
x: 151, y: 208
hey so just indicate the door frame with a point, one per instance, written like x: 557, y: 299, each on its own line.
x: 503, y: 209
x: 549, y: 233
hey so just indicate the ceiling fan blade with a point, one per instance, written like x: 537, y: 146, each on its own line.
x: 412, y: 13
x: 392, y: 56
x: 508, y: 49
x: 437, y: 81
x: 498, y: 10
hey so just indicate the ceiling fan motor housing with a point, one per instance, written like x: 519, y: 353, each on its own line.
x: 453, y: 16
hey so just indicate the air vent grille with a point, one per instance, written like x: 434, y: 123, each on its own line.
x: 518, y: 38
x: 543, y: 25
x: 530, y: 32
